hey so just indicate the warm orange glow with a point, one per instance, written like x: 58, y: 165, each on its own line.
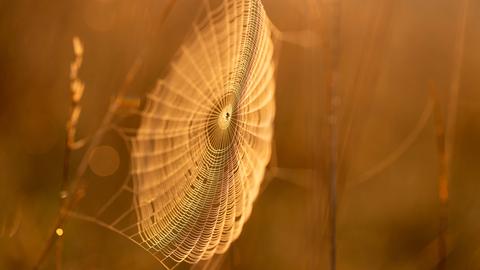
x: 240, y: 134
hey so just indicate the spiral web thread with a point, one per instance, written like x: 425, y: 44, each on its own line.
x: 199, y: 155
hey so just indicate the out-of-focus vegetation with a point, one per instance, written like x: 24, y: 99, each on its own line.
x: 391, y: 56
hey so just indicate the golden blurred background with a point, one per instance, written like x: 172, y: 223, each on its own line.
x: 393, y: 64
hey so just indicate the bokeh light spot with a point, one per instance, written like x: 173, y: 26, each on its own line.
x: 59, y: 231
x: 104, y: 160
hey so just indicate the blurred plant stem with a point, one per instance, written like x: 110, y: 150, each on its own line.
x: 330, y: 31
x: 442, y: 179
x: 445, y: 130
x: 76, y: 189
x: 76, y: 92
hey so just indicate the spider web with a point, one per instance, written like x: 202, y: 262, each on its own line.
x: 199, y: 154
